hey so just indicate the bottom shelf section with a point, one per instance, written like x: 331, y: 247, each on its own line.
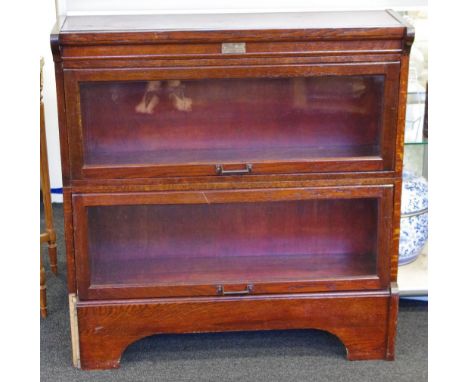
x: 232, y: 269
x: 167, y: 244
x: 365, y: 322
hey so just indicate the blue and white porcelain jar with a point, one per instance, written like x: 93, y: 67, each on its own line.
x: 414, y: 217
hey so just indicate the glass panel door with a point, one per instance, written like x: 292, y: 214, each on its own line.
x: 273, y: 120
x: 231, y: 120
x: 204, y: 246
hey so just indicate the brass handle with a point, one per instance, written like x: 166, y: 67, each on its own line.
x: 220, y: 291
x: 221, y: 171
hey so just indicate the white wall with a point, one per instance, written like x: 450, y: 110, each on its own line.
x: 81, y: 7
x: 48, y: 18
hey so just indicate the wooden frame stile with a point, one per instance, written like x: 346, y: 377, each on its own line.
x: 69, y: 239
x: 71, y: 274
x: 406, y: 44
x: 67, y: 193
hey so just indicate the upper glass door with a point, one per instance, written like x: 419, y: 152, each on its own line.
x: 268, y: 124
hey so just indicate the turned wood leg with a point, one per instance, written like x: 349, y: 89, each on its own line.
x: 43, y: 298
x: 52, y: 248
x: 53, y: 258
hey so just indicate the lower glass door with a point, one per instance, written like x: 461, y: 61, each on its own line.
x: 251, y: 242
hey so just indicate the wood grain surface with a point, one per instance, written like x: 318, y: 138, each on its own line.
x: 360, y: 320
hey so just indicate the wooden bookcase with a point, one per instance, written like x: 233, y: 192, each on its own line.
x: 231, y: 172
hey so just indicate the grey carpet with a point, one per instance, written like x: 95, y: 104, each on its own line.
x: 301, y: 355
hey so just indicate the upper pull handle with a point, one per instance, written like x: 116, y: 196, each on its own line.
x: 221, y: 171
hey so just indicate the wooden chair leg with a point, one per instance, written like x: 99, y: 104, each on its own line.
x: 53, y: 257
x: 43, y: 300
x: 52, y: 248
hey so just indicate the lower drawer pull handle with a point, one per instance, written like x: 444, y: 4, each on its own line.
x: 220, y: 291
x: 221, y: 171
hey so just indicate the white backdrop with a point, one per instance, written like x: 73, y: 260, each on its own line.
x: 82, y: 7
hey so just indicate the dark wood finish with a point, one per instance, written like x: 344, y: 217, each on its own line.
x: 68, y: 229
x: 400, y: 140
x: 194, y: 170
x: 392, y: 321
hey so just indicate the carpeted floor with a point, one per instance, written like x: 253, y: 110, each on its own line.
x: 255, y: 356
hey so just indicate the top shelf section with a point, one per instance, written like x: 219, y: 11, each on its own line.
x: 244, y: 27
x: 269, y: 124
x: 254, y: 94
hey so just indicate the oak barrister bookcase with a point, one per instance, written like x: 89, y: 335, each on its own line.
x: 231, y: 172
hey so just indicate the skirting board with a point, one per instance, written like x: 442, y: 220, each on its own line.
x: 364, y: 321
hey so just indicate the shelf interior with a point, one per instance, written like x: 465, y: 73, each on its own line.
x: 236, y: 242
x: 224, y: 156
x: 231, y: 120
x: 233, y: 269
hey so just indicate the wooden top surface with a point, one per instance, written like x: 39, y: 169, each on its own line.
x: 230, y: 22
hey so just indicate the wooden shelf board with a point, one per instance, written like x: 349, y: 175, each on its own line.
x: 232, y: 269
